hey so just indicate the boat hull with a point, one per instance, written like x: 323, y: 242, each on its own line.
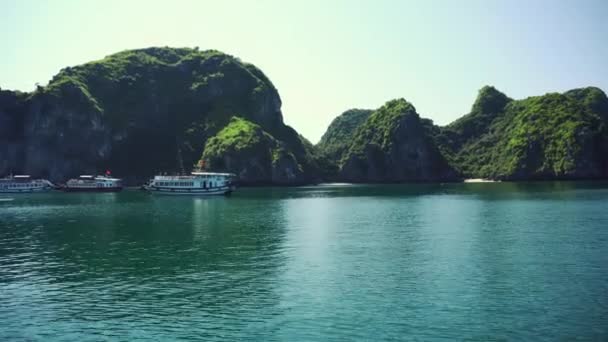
x: 190, y: 192
x: 73, y: 189
x: 24, y: 191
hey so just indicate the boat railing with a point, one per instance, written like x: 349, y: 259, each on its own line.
x: 172, y: 177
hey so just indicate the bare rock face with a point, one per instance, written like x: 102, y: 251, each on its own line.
x: 393, y: 146
x: 12, y: 113
x: 62, y: 139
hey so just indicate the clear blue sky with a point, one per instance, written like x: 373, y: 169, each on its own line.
x: 329, y: 56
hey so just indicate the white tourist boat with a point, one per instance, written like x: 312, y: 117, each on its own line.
x: 198, y: 183
x: 24, y: 184
x: 88, y: 183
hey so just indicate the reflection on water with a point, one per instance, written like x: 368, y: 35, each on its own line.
x: 336, y: 262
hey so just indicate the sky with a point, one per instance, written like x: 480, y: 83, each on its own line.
x: 328, y: 56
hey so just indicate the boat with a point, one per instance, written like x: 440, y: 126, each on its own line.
x: 89, y: 183
x: 24, y: 184
x: 197, y: 183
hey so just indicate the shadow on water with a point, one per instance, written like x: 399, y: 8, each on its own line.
x: 499, y: 190
x: 125, y: 248
x: 155, y: 235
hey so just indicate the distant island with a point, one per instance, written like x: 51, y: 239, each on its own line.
x: 142, y: 112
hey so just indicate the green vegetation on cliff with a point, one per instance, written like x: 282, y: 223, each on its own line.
x: 239, y: 135
x: 145, y: 111
x: 380, y: 128
x: 392, y: 145
x: 151, y: 110
x: 541, y: 137
x: 255, y: 155
x: 336, y: 140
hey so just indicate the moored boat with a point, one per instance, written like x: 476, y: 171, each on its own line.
x: 198, y: 183
x: 88, y: 183
x: 24, y: 184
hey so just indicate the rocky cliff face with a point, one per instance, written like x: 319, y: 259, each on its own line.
x: 392, y: 145
x: 12, y: 113
x: 141, y: 112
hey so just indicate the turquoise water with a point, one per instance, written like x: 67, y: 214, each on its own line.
x: 505, y: 261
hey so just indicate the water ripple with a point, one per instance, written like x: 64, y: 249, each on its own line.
x: 336, y: 263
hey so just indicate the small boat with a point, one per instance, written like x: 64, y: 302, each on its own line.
x: 89, y: 183
x: 24, y: 184
x: 197, y: 183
